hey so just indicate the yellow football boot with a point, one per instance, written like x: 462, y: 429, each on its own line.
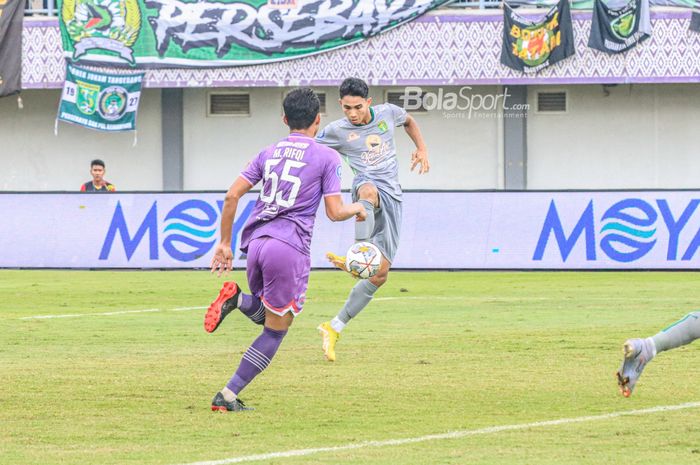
x: 340, y: 263
x: 330, y: 336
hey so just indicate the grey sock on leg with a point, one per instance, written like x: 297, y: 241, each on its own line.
x: 360, y: 295
x: 679, y: 333
x: 364, y: 229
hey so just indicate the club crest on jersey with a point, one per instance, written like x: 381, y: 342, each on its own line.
x: 353, y: 136
x: 383, y: 127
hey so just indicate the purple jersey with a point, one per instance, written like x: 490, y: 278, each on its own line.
x: 296, y: 173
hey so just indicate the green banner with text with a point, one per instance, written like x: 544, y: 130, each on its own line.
x: 204, y: 33
x: 96, y: 100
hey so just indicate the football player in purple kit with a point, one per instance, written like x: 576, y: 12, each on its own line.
x: 296, y: 173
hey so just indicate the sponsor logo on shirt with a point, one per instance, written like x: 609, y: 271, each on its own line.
x: 373, y: 141
x: 377, y: 150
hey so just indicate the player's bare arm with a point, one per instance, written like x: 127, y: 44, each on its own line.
x: 420, y: 155
x: 222, y: 262
x: 336, y: 210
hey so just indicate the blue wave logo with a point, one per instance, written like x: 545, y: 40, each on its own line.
x: 189, y: 230
x: 628, y: 230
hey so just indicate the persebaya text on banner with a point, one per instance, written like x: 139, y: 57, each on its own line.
x: 162, y: 33
x: 530, y: 46
x: 97, y: 100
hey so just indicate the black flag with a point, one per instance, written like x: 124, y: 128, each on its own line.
x: 695, y: 18
x: 533, y: 45
x: 615, y: 30
x: 11, y: 16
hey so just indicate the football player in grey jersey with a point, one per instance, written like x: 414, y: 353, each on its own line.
x: 639, y: 352
x: 365, y: 139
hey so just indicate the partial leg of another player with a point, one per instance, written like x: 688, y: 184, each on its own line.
x: 230, y: 298
x: 254, y: 361
x: 369, y: 197
x: 279, y: 274
x: 360, y: 296
x: 639, y: 352
x: 363, y: 292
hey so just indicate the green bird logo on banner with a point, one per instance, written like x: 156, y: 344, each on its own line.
x: 87, y: 97
x: 623, y: 26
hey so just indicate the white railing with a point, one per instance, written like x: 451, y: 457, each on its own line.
x: 48, y: 7
x: 40, y: 8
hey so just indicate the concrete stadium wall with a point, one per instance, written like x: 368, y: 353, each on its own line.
x: 33, y: 158
x: 464, y: 153
x: 638, y: 136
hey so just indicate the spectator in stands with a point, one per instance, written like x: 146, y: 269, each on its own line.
x: 98, y: 183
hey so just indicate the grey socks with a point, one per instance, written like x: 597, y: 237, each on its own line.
x: 360, y: 295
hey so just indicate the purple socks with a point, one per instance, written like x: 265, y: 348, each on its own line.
x: 253, y: 308
x: 256, y: 358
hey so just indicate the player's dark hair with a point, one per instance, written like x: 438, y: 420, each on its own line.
x: 354, y: 87
x: 301, y: 107
x: 97, y: 162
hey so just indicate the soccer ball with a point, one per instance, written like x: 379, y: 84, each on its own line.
x: 363, y: 260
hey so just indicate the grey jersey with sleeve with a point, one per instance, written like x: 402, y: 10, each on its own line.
x: 370, y: 149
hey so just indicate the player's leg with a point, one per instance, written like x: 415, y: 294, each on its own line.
x: 254, y: 361
x: 285, y: 274
x: 360, y: 296
x: 386, y: 238
x: 638, y: 352
x: 231, y: 297
x: 368, y: 195
x: 681, y: 333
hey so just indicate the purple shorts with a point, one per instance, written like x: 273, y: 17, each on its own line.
x: 278, y: 274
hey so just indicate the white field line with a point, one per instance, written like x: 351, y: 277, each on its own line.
x: 321, y: 301
x: 121, y: 312
x: 184, y: 309
x: 441, y: 297
x: 450, y: 435
x: 488, y: 299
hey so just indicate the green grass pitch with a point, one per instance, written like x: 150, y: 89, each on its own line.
x: 436, y: 352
